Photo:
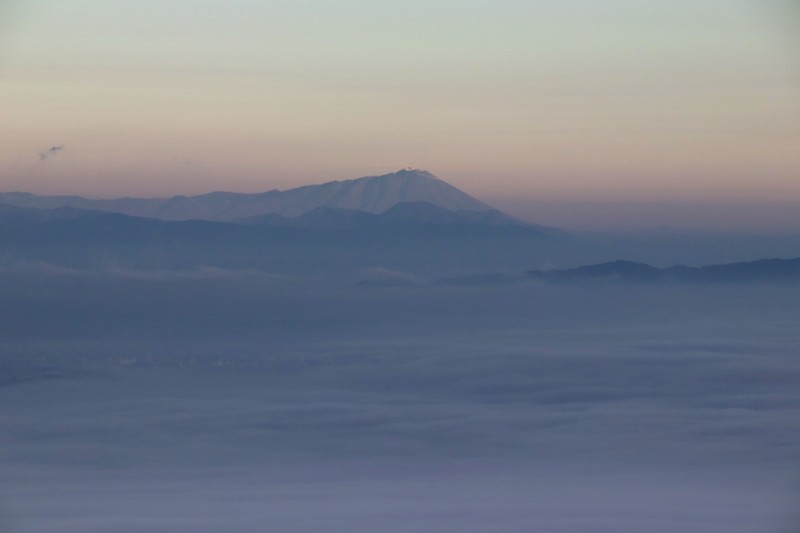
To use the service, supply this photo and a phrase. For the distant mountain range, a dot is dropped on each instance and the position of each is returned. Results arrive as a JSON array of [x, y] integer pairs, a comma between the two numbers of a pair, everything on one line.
[[763, 270], [406, 222], [415, 237], [374, 194], [409, 220]]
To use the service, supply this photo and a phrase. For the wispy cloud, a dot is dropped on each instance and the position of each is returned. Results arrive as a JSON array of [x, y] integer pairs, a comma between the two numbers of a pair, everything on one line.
[[44, 156]]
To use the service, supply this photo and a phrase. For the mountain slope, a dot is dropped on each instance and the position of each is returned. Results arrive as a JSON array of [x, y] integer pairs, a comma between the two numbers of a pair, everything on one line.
[[405, 213], [374, 194], [304, 245]]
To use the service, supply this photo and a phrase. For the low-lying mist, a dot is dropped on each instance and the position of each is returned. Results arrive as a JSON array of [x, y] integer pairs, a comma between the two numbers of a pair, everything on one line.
[[216, 400]]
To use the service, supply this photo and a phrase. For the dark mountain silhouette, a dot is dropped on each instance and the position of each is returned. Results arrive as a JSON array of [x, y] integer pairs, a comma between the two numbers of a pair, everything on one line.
[[414, 237], [761, 270], [10, 214], [620, 270]]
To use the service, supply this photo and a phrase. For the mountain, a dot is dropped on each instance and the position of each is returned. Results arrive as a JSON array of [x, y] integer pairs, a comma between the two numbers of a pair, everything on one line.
[[10, 214], [425, 212], [373, 194], [762, 270], [415, 238], [615, 270], [405, 213]]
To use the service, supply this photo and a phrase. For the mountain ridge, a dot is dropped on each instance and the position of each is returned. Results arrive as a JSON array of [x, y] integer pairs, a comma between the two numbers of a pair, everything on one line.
[[370, 194], [326, 218], [312, 244], [622, 271]]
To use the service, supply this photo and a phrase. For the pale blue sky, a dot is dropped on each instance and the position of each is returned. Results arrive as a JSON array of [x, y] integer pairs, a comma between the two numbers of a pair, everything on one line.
[[619, 100]]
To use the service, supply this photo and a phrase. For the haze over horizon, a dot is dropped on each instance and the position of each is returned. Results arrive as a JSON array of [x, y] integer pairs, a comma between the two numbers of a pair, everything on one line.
[[565, 296], [625, 115]]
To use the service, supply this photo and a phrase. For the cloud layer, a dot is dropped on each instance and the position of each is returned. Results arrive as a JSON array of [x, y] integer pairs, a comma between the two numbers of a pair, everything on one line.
[[234, 402]]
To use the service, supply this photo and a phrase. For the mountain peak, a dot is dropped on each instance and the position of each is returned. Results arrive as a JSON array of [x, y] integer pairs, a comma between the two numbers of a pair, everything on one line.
[[415, 172]]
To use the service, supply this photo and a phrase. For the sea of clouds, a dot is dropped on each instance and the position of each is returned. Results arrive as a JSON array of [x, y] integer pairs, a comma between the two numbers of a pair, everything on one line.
[[219, 401]]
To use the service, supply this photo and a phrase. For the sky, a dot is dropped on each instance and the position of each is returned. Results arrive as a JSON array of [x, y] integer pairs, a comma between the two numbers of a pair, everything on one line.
[[537, 107]]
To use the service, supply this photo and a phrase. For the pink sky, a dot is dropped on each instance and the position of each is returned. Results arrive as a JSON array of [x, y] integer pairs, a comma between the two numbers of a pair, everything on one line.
[[624, 102]]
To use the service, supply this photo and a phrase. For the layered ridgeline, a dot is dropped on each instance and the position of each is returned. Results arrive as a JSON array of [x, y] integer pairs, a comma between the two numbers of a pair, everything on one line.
[[408, 221], [775, 270], [374, 194]]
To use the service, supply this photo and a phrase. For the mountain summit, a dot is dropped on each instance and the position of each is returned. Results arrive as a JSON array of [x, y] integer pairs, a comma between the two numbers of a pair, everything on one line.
[[372, 194], [377, 194]]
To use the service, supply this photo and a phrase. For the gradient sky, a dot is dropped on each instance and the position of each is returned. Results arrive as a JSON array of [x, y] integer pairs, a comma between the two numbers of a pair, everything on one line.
[[525, 104]]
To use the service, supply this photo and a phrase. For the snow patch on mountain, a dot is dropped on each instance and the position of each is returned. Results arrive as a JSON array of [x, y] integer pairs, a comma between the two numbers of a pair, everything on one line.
[[372, 194]]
